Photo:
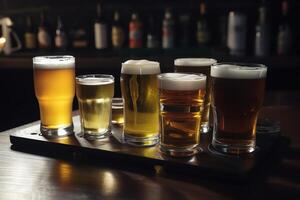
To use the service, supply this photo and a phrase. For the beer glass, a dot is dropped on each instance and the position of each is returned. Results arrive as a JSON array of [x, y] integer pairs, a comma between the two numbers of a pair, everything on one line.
[[181, 99], [140, 95], [54, 83], [237, 97], [94, 93], [199, 65]]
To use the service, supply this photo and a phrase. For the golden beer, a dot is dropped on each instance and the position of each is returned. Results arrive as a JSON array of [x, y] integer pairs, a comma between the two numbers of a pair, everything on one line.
[[199, 65], [94, 94], [237, 97], [181, 103], [117, 111], [140, 94], [54, 83]]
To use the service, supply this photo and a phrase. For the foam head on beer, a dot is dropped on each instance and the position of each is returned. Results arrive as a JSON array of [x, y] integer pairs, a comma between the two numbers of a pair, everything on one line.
[[200, 62], [94, 81], [53, 62], [181, 81], [140, 67], [231, 71]]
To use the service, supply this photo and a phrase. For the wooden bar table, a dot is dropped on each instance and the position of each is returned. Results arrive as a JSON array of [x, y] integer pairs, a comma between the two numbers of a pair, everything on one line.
[[49, 175]]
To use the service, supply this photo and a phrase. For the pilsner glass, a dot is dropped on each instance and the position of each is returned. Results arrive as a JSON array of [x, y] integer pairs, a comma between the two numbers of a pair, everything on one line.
[[237, 97], [94, 93], [140, 95], [54, 83], [181, 99], [199, 65]]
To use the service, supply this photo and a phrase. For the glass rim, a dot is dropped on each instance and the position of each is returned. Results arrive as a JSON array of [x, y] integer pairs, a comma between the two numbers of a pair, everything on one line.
[[242, 64], [194, 62], [235, 70], [58, 58], [79, 77], [203, 76]]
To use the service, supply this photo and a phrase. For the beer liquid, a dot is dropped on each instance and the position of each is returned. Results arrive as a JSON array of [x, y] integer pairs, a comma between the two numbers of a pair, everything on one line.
[[180, 117], [55, 90], [236, 103], [95, 106], [141, 109]]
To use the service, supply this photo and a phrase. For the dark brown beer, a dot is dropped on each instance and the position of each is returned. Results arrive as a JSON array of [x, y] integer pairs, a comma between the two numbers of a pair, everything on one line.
[[236, 100]]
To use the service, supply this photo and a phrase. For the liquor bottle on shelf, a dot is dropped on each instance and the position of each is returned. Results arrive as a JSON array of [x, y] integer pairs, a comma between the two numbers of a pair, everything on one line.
[[44, 36], [168, 31], [262, 32], [30, 37], [184, 30], [117, 32], [100, 29], [79, 37], [135, 32], [61, 40], [284, 37], [202, 32], [236, 33], [152, 37]]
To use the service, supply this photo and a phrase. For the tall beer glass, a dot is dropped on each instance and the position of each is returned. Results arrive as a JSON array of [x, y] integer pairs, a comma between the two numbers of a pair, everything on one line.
[[237, 97], [181, 99], [94, 93], [54, 83], [140, 95], [199, 65]]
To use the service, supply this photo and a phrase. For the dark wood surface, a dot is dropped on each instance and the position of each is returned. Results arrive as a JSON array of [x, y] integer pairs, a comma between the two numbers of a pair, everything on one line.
[[47, 175]]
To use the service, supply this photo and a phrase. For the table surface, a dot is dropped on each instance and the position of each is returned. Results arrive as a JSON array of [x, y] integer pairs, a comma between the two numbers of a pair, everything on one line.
[[24, 175]]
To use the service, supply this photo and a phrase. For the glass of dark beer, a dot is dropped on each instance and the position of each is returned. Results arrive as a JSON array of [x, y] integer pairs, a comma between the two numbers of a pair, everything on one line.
[[237, 97], [181, 99]]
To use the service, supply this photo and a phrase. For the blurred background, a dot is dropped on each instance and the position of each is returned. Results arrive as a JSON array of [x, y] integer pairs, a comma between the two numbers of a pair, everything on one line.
[[103, 34]]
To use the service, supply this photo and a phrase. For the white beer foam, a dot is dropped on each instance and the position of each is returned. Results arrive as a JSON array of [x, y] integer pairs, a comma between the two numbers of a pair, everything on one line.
[[53, 62], [238, 71], [181, 81], [94, 81], [196, 62], [140, 67]]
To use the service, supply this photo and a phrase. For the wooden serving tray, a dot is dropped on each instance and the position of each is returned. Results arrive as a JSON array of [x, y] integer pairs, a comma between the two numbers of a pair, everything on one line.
[[206, 163]]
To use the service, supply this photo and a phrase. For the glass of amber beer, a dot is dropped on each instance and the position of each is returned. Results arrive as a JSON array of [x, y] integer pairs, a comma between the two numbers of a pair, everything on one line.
[[199, 65], [54, 83], [139, 88], [181, 99], [94, 93], [237, 97]]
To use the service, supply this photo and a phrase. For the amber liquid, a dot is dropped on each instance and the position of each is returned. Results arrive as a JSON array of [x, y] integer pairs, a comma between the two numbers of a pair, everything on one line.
[[203, 70], [180, 118], [55, 90]]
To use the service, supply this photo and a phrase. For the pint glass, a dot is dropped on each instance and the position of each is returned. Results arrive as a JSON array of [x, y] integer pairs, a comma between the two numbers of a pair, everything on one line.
[[199, 65], [181, 99], [94, 93], [140, 95], [237, 97], [54, 83]]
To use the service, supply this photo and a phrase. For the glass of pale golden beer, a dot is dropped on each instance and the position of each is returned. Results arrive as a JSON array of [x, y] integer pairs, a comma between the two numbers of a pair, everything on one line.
[[54, 83], [199, 65], [94, 93], [181, 99], [140, 96], [237, 97]]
